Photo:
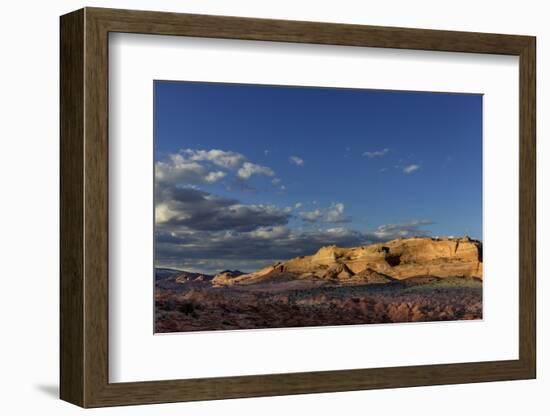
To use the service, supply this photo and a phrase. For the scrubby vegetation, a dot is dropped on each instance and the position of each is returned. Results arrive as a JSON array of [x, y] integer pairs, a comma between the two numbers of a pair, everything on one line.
[[201, 308]]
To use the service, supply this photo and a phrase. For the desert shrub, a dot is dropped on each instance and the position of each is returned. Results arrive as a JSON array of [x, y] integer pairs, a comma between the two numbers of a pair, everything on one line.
[[167, 305], [187, 308], [399, 312]]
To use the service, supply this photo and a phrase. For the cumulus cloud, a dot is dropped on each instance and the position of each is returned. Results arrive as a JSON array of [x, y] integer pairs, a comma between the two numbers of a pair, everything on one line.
[[376, 153], [177, 169], [333, 214], [214, 176], [195, 209], [410, 168], [248, 169], [392, 231], [195, 167], [203, 231], [295, 160], [218, 157], [278, 231], [311, 216]]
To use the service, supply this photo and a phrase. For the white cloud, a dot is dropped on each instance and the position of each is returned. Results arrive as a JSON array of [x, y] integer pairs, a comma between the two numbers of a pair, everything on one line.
[[270, 232], [333, 214], [298, 205], [336, 213], [298, 161], [311, 216], [392, 231], [195, 167], [410, 168], [376, 153], [177, 169], [248, 169], [214, 176], [164, 213], [218, 157]]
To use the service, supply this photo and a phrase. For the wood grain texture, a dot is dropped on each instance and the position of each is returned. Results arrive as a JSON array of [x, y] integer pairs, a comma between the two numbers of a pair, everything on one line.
[[96, 208], [162, 23], [71, 208], [527, 208], [84, 207]]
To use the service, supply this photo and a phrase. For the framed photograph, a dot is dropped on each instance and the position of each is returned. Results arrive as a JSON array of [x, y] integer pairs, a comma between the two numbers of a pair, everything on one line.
[[255, 207]]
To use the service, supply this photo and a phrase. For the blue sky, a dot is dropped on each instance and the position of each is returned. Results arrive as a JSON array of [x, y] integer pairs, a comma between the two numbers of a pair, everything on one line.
[[309, 166]]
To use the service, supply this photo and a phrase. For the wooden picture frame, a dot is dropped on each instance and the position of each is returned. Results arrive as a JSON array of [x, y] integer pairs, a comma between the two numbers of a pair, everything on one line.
[[84, 207]]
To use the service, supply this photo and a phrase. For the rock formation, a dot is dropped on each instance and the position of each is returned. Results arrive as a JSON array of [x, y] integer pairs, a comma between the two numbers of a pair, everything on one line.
[[376, 263], [226, 277]]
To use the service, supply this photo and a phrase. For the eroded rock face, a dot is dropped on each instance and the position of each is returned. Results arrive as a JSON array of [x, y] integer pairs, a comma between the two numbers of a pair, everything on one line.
[[371, 276], [377, 263], [412, 257], [227, 277], [188, 277]]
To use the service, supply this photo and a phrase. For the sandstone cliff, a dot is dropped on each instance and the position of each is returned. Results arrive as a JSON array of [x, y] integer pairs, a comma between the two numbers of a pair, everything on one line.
[[226, 277], [376, 263]]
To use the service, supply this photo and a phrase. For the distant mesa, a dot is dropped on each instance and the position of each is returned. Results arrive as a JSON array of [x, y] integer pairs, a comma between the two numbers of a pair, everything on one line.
[[372, 264], [162, 273], [167, 278], [226, 277], [192, 277]]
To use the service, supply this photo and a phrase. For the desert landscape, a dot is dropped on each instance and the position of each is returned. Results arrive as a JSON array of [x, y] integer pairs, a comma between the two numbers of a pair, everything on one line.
[[416, 279], [302, 206]]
